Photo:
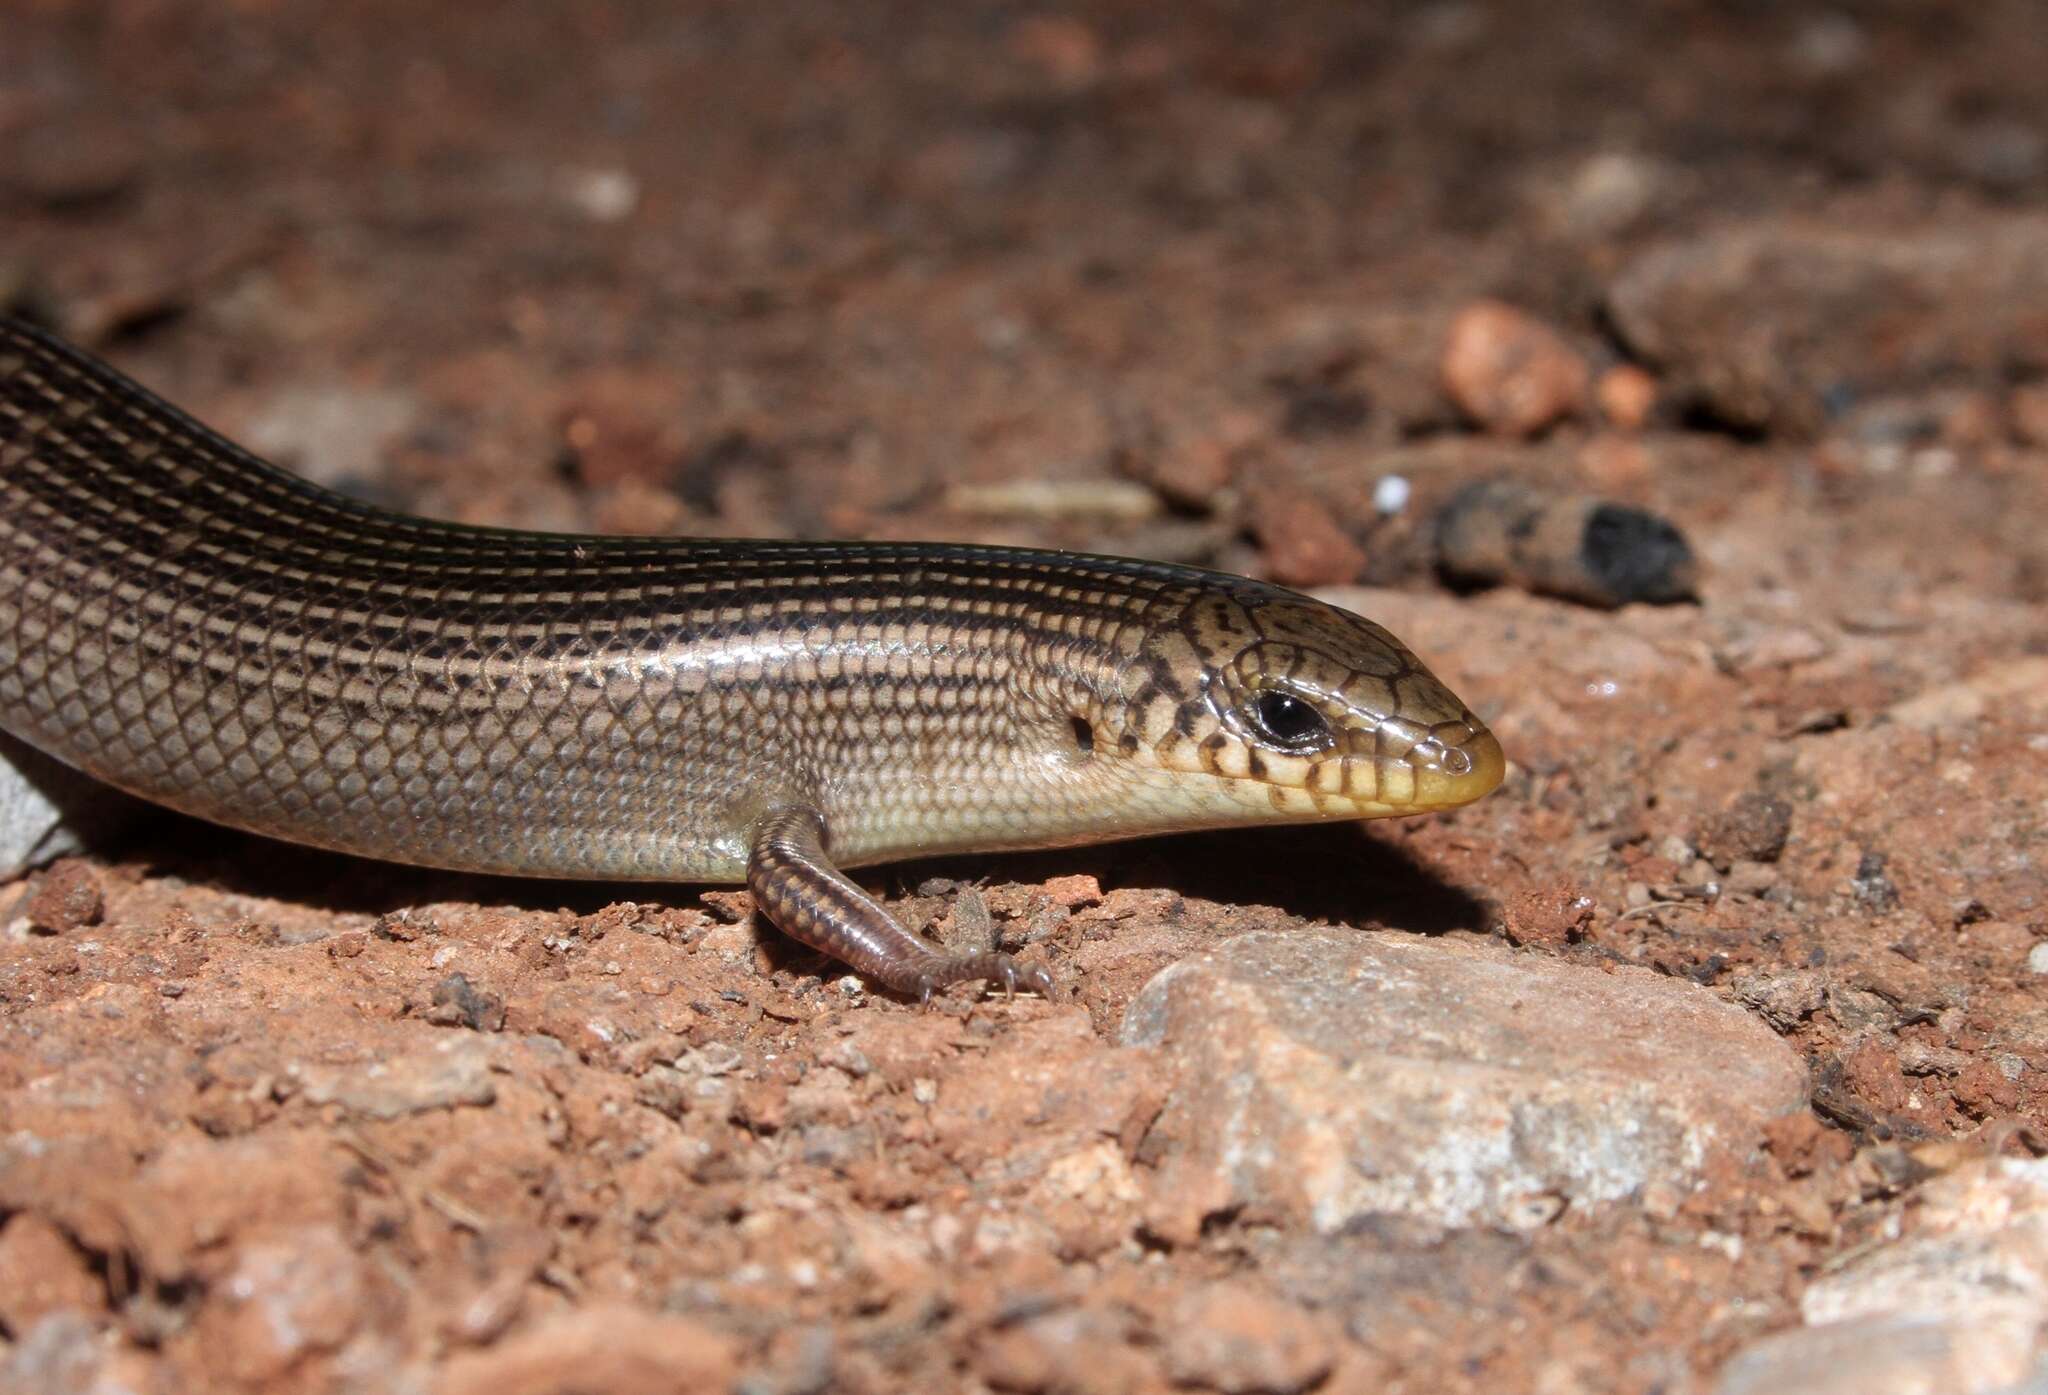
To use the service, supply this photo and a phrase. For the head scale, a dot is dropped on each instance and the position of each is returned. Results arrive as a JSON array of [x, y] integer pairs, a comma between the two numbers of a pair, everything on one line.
[[1260, 704]]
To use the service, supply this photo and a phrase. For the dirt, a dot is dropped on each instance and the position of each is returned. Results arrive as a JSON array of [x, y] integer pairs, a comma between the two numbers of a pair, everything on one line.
[[277, 1121]]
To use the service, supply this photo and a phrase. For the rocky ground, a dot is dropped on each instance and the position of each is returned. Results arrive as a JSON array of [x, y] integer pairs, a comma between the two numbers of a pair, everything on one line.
[[1707, 1056]]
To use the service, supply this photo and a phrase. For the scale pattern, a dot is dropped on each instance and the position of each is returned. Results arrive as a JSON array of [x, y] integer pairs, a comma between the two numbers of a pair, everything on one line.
[[186, 621]]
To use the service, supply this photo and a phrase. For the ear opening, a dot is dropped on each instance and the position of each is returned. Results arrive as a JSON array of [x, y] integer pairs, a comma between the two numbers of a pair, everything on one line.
[[1084, 735]]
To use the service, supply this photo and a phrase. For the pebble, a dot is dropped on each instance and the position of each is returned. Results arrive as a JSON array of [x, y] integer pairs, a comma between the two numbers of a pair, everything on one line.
[[459, 1003], [1605, 194], [68, 897], [1783, 999], [1549, 916], [603, 195], [1511, 373], [1751, 827], [1627, 396], [1322, 1076], [2037, 958], [1391, 494]]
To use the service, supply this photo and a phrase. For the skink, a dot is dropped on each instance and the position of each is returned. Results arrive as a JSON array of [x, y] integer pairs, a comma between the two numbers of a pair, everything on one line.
[[189, 623]]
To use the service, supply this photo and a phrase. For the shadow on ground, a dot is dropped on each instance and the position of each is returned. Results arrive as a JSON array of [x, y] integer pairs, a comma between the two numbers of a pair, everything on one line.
[[1344, 873]]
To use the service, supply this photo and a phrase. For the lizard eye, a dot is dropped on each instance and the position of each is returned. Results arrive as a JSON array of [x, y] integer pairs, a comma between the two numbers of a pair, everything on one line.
[[1288, 722]]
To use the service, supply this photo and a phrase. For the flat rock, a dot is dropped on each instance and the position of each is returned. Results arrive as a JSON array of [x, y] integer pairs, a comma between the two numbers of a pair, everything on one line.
[[1777, 325], [1325, 1075]]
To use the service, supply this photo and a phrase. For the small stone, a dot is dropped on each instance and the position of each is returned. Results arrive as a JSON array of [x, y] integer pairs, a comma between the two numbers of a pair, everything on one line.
[[1749, 646], [349, 944], [67, 169], [1745, 878], [1752, 827], [1075, 891], [1187, 471], [602, 195], [1627, 396], [1782, 999], [2037, 958], [1511, 373], [68, 898], [1097, 1175], [1603, 195], [618, 426], [1549, 916], [459, 1003], [1234, 1338], [1673, 849], [404, 926]]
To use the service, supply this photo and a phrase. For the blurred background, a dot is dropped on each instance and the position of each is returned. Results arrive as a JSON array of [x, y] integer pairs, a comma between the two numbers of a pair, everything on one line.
[[821, 269], [1494, 317]]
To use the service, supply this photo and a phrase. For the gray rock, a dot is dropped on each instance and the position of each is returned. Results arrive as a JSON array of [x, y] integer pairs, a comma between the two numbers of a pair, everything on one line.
[[47, 809], [1326, 1075]]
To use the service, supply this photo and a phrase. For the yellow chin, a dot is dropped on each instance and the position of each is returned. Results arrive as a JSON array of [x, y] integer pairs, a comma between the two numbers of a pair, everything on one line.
[[1296, 789]]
